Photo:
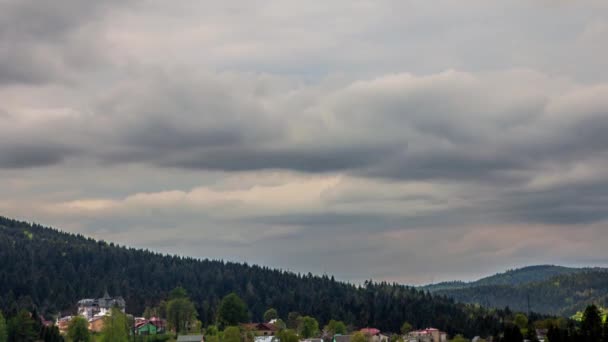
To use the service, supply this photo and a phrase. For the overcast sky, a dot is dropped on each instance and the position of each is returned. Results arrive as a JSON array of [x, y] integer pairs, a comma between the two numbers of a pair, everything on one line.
[[410, 141]]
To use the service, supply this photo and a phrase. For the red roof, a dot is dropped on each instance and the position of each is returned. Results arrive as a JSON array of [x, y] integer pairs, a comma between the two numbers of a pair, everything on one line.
[[370, 331]]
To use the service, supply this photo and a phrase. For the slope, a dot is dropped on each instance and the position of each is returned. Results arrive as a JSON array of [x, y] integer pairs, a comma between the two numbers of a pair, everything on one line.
[[562, 294], [51, 270]]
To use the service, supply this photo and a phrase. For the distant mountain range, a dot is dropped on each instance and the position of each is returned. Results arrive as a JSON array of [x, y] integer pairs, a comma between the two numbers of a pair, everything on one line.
[[549, 289]]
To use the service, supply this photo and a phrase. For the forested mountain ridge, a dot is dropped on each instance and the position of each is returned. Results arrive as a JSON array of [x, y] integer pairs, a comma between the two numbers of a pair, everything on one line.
[[51, 270], [519, 276], [554, 290]]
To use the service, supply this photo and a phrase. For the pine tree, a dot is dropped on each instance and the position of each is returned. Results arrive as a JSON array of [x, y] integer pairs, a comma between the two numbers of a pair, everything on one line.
[[591, 326], [115, 327], [22, 328], [78, 330], [3, 329], [232, 311]]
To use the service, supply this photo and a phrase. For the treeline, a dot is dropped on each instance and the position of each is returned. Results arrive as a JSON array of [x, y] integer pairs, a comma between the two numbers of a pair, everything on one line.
[[591, 329], [27, 326], [49, 271]]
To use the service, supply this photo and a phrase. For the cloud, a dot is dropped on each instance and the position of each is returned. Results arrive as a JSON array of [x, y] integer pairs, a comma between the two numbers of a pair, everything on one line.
[[353, 133]]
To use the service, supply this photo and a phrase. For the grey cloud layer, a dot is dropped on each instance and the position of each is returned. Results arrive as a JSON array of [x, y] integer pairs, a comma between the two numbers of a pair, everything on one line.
[[294, 120]]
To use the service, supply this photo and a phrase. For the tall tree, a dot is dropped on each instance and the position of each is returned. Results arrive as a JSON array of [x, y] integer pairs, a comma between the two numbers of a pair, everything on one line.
[[292, 320], [521, 321], [51, 334], [591, 325], [531, 333], [288, 335], [232, 311], [115, 327], [3, 329], [335, 328], [78, 330], [232, 334], [358, 337], [270, 314], [308, 327], [512, 333], [21, 328], [180, 311], [406, 327], [279, 324]]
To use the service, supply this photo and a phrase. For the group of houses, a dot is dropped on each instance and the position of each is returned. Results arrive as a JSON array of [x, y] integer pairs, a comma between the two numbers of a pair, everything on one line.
[[95, 310], [267, 332], [426, 335]]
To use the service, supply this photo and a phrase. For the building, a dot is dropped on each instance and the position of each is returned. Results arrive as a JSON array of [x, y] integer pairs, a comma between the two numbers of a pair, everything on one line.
[[260, 329], [150, 326], [146, 328], [96, 324], [90, 308], [341, 338], [374, 335], [63, 323], [190, 338], [266, 339], [427, 335]]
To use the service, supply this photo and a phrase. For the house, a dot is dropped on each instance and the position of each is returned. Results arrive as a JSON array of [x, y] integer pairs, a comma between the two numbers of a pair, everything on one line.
[[63, 323], [190, 338], [341, 338], [541, 334], [266, 339], [312, 340], [374, 335], [161, 324], [96, 324], [260, 329], [100, 306], [427, 335], [146, 328]]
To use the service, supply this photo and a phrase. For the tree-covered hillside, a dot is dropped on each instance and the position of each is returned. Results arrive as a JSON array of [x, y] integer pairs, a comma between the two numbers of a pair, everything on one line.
[[51, 270], [558, 295], [514, 277]]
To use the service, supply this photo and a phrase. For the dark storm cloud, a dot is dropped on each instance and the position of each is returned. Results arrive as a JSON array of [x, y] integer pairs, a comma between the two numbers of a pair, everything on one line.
[[192, 94], [44, 42], [29, 155], [564, 204], [313, 159]]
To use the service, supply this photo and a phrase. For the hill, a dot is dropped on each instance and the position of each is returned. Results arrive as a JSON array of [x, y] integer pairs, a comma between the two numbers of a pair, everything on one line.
[[50, 270], [554, 290], [514, 277]]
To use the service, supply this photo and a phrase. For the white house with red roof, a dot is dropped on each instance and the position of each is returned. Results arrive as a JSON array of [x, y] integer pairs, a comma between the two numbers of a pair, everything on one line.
[[374, 335], [427, 335]]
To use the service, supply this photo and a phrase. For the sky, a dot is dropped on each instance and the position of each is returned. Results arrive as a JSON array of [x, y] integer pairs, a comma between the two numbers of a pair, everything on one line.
[[411, 140]]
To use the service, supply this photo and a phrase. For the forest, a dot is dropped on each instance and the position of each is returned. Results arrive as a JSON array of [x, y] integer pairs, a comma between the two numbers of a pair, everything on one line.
[[49, 271], [557, 294]]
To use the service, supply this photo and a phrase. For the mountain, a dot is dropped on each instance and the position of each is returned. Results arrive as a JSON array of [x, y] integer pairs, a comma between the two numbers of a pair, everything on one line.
[[548, 289], [50, 271], [514, 277]]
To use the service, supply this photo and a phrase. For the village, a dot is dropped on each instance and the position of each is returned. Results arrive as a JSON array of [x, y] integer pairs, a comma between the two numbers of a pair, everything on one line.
[[97, 311]]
